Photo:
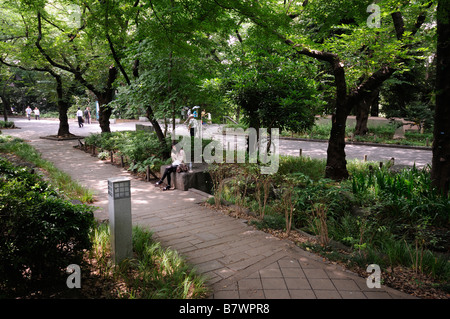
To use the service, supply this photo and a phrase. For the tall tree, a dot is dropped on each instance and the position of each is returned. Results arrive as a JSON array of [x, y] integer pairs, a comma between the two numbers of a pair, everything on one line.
[[440, 172], [356, 74], [271, 89], [19, 54], [65, 38], [79, 64], [172, 54]]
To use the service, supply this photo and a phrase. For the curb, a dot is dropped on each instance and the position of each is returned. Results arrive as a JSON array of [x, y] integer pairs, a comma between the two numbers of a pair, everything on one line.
[[423, 148]]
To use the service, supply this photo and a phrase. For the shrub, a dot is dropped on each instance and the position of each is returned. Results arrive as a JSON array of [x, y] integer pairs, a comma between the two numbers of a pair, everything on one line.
[[7, 124], [406, 195], [313, 168], [41, 233]]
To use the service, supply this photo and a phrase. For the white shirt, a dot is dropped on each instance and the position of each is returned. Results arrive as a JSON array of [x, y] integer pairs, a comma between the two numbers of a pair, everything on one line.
[[36, 112], [79, 113], [192, 123], [177, 158], [28, 110]]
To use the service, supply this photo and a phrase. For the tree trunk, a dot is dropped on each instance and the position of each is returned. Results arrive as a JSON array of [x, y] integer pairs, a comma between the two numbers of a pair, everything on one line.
[[158, 131], [104, 98], [440, 173], [6, 107], [362, 117], [336, 167], [104, 114], [63, 129], [63, 106], [375, 107], [363, 112]]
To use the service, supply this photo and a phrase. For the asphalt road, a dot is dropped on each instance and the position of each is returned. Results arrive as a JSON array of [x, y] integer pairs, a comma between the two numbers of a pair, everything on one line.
[[28, 130]]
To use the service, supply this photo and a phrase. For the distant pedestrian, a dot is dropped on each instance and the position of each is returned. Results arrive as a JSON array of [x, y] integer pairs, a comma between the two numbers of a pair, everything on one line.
[[28, 111], [87, 115], [203, 116], [36, 113], [192, 125], [80, 117]]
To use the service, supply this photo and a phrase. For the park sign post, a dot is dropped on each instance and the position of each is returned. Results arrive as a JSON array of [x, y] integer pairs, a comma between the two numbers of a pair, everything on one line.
[[119, 196]]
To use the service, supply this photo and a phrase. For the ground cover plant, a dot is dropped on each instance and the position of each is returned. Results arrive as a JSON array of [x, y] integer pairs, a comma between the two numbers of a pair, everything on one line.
[[7, 124], [383, 134], [42, 232], [153, 273], [60, 180], [379, 215]]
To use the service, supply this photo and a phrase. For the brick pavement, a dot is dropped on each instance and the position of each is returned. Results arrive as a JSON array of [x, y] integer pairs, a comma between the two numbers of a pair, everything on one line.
[[240, 261]]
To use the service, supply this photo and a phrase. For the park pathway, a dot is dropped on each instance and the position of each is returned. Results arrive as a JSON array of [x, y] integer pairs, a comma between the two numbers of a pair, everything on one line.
[[239, 261]]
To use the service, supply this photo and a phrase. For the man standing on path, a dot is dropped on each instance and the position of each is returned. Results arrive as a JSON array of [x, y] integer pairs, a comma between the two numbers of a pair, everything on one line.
[[28, 111], [87, 115], [36, 113], [192, 125], [80, 117]]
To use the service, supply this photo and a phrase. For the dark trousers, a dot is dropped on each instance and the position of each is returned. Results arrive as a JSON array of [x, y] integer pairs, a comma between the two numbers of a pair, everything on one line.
[[168, 171], [80, 121]]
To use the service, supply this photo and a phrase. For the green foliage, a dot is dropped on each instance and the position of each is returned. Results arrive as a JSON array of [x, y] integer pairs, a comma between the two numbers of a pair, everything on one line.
[[273, 91], [7, 124], [138, 146], [385, 217], [62, 181], [313, 168], [153, 273], [274, 221], [405, 195], [154, 163], [41, 232]]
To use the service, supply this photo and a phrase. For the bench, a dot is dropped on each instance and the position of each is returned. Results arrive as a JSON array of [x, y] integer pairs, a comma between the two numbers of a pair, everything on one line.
[[198, 178]]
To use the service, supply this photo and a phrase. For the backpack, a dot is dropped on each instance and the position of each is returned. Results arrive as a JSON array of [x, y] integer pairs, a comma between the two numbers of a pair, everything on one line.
[[182, 168]]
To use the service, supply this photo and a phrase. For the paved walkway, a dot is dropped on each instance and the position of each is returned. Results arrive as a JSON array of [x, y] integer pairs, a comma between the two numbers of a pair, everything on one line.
[[240, 261]]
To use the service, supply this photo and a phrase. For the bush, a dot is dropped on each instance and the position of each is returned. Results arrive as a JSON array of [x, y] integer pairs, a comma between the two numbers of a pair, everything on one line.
[[41, 233], [136, 145], [313, 168], [7, 124], [406, 195]]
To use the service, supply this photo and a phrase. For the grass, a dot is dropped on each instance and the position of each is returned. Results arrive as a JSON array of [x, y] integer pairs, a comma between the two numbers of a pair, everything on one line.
[[392, 219], [6, 124], [377, 134], [153, 273], [60, 180]]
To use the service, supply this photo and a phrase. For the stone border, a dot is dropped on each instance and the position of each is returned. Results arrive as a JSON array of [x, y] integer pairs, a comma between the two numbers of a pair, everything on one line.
[[58, 138], [360, 143]]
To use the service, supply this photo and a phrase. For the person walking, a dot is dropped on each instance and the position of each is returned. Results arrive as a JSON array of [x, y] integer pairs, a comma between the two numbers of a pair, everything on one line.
[[80, 117], [203, 116], [177, 159], [28, 111], [87, 115], [192, 124], [36, 113]]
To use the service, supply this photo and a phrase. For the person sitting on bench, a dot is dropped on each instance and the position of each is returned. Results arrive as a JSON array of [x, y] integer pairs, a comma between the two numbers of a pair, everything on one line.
[[177, 158]]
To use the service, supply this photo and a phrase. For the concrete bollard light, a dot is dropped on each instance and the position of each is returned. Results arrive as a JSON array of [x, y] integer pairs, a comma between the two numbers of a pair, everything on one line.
[[119, 196]]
